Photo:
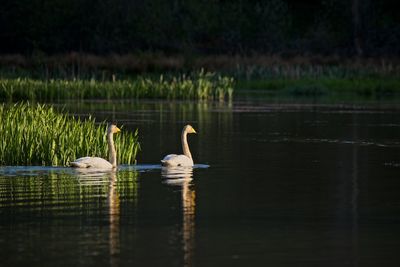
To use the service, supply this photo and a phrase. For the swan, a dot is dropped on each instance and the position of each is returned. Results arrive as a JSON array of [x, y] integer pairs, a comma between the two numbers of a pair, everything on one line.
[[185, 160], [100, 163]]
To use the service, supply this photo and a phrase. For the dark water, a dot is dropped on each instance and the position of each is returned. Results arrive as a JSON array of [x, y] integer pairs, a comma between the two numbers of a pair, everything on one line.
[[287, 185]]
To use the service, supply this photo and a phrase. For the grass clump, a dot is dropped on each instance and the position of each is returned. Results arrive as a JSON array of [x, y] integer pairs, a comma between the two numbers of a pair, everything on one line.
[[373, 88], [200, 86], [38, 135]]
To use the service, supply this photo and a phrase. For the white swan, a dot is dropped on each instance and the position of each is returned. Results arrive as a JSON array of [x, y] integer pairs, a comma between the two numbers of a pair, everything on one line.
[[99, 163], [184, 160]]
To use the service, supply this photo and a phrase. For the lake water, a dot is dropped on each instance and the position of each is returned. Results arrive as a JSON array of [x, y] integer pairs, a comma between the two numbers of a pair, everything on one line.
[[275, 184]]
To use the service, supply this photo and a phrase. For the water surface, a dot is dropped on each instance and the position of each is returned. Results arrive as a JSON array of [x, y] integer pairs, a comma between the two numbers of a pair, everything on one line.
[[276, 184]]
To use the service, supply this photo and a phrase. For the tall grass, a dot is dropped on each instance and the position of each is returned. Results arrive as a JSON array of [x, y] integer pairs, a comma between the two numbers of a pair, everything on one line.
[[373, 88], [84, 66], [38, 135], [279, 74], [202, 85]]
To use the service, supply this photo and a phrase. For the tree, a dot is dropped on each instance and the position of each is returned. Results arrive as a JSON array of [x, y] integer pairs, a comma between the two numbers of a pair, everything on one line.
[[357, 22]]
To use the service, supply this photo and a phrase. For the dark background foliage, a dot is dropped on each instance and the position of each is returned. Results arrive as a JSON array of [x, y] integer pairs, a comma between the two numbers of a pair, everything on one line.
[[285, 27]]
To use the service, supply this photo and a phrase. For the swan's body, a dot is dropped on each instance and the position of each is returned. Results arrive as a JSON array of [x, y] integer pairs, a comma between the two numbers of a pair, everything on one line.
[[100, 163], [185, 160], [92, 162], [174, 160]]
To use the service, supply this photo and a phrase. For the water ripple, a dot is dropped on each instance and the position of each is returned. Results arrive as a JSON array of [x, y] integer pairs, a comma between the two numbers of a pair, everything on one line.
[[333, 141]]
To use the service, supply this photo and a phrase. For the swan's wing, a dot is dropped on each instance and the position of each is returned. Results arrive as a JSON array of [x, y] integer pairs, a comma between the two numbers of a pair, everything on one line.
[[176, 160], [91, 162]]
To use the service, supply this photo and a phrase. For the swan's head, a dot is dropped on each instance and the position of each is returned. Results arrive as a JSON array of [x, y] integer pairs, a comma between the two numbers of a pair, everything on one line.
[[189, 129], [112, 128]]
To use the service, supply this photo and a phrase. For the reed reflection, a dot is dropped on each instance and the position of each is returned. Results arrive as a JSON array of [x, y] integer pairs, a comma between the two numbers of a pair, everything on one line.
[[114, 220], [182, 176], [96, 177], [120, 184]]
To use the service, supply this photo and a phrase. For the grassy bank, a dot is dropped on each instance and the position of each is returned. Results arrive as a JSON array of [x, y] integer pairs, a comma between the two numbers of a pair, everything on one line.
[[38, 135], [92, 76], [368, 87], [86, 66], [201, 86]]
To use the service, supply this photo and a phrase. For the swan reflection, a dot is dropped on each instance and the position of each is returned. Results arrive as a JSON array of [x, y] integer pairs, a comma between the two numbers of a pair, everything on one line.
[[103, 179], [114, 219], [91, 177], [176, 175], [182, 176]]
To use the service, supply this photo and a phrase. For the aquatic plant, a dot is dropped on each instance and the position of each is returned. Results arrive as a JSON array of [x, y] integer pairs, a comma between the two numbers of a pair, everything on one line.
[[368, 87], [202, 86], [38, 135], [85, 66]]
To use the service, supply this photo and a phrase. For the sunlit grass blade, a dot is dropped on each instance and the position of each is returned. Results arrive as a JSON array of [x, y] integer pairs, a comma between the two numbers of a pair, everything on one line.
[[38, 135], [200, 85]]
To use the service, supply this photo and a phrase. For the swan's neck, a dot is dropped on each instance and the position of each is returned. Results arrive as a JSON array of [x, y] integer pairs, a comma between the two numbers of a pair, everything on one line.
[[112, 154], [185, 146]]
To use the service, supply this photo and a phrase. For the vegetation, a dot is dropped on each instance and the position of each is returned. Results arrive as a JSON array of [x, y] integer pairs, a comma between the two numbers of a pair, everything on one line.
[[76, 50], [306, 87], [81, 66], [324, 77], [188, 27], [38, 135], [202, 86], [298, 76]]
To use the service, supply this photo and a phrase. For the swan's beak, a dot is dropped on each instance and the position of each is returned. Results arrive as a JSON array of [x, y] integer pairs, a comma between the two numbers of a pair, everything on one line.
[[117, 130], [194, 131]]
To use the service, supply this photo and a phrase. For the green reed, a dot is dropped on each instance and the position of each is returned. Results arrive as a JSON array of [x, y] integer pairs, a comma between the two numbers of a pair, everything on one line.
[[38, 135], [202, 86], [371, 87]]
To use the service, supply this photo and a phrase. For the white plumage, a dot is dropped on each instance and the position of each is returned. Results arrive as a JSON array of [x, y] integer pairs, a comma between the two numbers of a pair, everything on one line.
[[173, 160], [100, 163], [185, 160], [92, 162]]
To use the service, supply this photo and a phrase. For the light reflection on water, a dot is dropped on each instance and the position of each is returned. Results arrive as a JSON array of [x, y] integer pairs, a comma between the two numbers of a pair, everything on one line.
[[289, 185], [53, 192], [182, 177], [60, 187], [114, 220], [81, 192]]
